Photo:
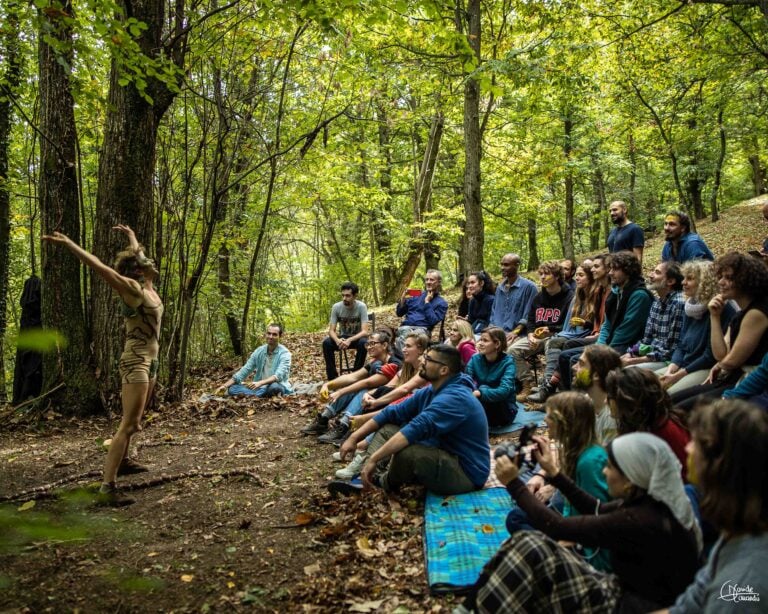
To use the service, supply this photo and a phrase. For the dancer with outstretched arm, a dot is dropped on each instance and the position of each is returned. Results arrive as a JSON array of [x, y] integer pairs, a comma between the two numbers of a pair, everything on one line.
[[132, 278]]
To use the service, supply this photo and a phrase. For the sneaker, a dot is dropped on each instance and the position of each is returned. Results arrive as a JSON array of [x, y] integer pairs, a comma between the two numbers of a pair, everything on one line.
[[353, 469], [336, 435], [318, 427], [353, 487], [542, 395], [110, 496], [130, 467], [336, 456]]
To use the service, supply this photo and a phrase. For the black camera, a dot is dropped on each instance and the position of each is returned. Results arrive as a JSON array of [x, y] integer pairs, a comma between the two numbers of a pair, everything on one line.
[[514, 450]]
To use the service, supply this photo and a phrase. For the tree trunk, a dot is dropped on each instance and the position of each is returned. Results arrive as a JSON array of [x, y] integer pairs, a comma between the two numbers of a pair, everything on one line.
[[474, 231], [423, 192], [380, 229], [533, 248], [718, 167], [633, 174], [62, 304], [598, 217], [759, 184], [9, 48], [568, 250], [125, 193]]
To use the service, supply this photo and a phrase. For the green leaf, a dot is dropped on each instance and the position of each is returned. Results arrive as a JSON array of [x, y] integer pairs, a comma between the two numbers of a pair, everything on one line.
[[43, 340]]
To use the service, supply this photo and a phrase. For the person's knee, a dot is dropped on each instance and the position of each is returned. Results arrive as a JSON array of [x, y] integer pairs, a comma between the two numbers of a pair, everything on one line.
[[274, 390], [128, 428], [329, 344]]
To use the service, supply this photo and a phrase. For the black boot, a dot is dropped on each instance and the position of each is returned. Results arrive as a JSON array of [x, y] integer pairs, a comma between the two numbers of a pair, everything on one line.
[[542, 395], [336, 435], [318, 427]]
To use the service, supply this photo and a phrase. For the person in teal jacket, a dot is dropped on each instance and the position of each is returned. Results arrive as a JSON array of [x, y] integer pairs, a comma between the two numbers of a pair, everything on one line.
[[754, 387], [628, 305], [494, 371], [270, 365]]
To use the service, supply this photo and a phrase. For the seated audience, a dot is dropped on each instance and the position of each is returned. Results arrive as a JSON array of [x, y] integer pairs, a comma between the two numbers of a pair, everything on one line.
[[579, 321], [347, 330], [461, 337], [270, 365], [481, 304], [650, 532], [743, 279], [728, 457], [639, 403], [569, 270], [626, 312], [437, 438], [380, 369], [494, 374], [662, 331], [571, 423], [545, 319], [421, 313], [692, 359], [396, 388]]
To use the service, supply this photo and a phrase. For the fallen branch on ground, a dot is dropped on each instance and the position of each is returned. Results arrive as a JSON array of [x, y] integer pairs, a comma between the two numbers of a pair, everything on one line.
[[28, 495]]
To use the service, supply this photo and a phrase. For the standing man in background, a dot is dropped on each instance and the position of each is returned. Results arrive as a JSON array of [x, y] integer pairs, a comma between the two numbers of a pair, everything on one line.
[[348, 330], [626, 235]]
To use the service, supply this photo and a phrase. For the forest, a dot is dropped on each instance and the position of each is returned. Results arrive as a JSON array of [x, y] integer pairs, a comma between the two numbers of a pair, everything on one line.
[[265, 152]]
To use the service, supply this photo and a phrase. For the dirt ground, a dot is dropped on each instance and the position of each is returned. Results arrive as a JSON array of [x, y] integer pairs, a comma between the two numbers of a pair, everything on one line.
[[273, 540]]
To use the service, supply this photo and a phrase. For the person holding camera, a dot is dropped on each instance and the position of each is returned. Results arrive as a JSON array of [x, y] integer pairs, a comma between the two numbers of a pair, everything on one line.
[[650, 531]]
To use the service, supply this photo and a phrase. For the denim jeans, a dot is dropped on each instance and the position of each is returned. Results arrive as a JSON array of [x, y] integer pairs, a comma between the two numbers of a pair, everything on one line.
[[271, 390]]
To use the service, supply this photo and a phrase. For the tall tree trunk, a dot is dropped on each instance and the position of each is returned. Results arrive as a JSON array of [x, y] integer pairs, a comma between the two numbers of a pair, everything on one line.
[[423, 192], [598, 216], [759, 183], [125, 193], [533, 247], [718, 167], [474, 231], [632, 146], [568, 250], [380, 229], [62, 304], [9, 81]]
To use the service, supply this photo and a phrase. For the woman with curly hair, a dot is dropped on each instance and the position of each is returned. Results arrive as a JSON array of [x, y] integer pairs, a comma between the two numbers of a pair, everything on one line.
[[639, 403], [132, 279], [728, 456], [744, 279], [693, 358]]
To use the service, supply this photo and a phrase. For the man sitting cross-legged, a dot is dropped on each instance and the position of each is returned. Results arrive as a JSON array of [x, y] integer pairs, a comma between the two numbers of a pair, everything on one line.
[[437, 438], [271, 368], [381, 368]]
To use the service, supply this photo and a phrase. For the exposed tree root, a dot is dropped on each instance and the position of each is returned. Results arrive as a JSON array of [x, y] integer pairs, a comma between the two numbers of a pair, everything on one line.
[[49, 491]]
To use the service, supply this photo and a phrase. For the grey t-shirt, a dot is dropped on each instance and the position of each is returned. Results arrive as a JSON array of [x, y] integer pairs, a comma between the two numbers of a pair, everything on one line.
[[349, 320], [605, 426]]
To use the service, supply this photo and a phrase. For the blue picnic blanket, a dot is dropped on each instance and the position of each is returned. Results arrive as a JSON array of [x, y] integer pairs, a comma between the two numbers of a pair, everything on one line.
[[461, 534], [522, 418]]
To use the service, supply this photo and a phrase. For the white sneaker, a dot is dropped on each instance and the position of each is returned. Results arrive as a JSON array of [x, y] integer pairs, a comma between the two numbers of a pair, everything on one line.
[[336, 456], [353, 469]]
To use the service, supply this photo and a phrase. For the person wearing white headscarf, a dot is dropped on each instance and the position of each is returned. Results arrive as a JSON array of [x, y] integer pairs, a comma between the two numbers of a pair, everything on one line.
[[649, 530]]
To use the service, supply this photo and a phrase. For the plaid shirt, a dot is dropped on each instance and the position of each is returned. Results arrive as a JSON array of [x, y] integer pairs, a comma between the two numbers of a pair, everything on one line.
[[662, 331]]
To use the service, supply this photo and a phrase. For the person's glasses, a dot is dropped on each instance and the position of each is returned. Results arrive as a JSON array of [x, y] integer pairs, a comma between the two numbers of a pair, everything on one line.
[[372, 343], [430, 359]]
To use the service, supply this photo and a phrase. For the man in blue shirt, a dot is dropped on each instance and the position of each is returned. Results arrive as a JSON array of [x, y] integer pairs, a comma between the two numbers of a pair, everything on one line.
[[421, 313], [270, 365], [514, 296], [437, 438], [626, 236], [682, 245]]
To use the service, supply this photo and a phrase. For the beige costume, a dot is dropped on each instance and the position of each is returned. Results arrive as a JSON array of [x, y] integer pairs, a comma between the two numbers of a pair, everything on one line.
[[138, 363]]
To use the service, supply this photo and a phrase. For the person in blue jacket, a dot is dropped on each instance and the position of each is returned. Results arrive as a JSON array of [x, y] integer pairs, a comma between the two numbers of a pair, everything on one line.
[[681, 244], [483, 292], [493, 371], [421, 313], [437, 438], [270, 365]]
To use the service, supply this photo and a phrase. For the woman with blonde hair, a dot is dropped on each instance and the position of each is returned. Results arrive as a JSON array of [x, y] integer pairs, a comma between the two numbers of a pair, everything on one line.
[[693, 358], [462, 338]]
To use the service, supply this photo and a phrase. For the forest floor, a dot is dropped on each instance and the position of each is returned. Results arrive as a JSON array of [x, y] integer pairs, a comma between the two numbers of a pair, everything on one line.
[[271, 540]]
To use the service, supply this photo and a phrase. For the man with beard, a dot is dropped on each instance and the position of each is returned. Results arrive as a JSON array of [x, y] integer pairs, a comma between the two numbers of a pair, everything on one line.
[[347, 330], [626, 236], [681, 244], [437, 438], [662, 331]]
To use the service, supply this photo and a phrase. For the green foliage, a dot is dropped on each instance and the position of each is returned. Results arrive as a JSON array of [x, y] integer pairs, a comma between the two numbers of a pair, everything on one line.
[[40, 340]]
